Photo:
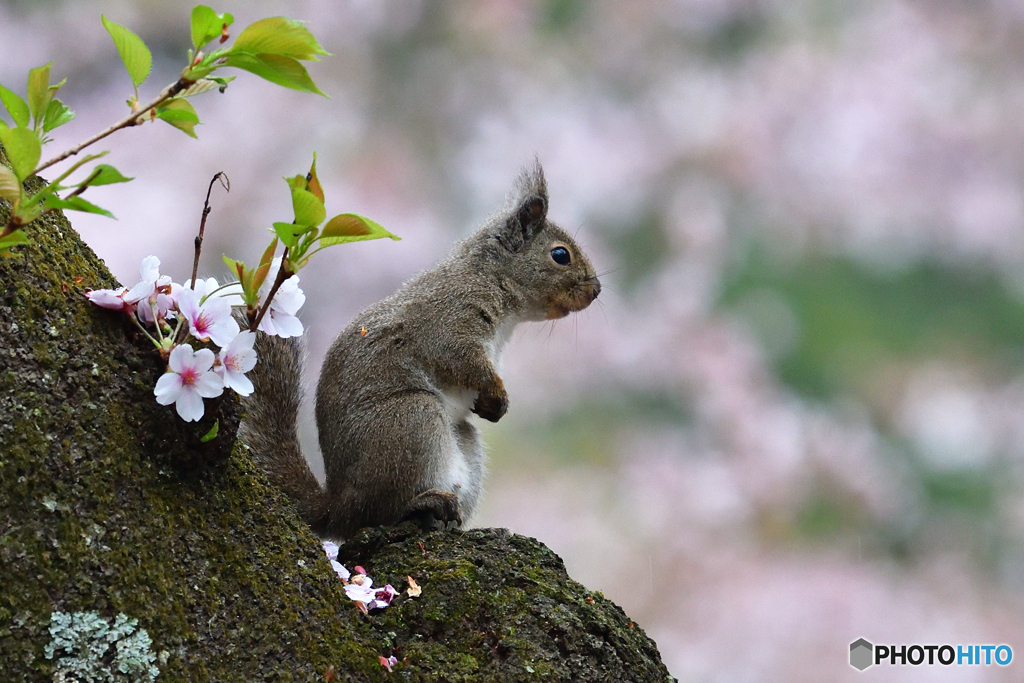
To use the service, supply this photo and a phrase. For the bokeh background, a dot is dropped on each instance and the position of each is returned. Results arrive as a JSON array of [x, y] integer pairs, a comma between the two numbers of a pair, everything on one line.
[[796, 415]]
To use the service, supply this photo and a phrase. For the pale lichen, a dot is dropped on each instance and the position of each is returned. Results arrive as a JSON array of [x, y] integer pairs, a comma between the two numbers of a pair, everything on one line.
[[89, 649]]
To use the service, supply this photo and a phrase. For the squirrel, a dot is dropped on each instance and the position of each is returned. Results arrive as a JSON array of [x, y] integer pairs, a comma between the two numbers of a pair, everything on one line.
[[398, 385]]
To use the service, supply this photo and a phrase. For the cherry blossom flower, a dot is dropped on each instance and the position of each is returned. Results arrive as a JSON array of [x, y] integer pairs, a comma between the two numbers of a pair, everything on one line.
[[203, 287], [361, 590], [153, 290], [332, 554], [383, 597], [281, 319], [188, 380], [210, 320], [150, 282], [110, 298], [236, 359]]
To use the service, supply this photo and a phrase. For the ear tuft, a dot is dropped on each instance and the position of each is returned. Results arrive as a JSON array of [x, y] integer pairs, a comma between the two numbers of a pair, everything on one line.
[[529, 208], [531, 182]]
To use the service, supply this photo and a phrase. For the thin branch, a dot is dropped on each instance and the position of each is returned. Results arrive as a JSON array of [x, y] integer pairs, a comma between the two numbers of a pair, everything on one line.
[[225, 182], [134, 119], [84, 185], [282, 275]]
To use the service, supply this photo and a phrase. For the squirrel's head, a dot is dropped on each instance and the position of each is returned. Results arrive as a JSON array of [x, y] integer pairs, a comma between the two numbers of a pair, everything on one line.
[[541, 259]]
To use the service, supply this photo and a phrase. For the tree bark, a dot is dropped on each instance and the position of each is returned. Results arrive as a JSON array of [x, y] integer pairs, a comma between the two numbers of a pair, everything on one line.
[[110, 504]]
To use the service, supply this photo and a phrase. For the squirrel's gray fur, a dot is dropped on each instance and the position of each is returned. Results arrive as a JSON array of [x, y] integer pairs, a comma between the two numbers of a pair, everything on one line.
[[398, 384]]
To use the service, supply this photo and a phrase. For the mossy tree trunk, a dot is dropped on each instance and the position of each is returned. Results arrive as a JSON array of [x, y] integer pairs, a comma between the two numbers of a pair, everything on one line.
[[109, 504]]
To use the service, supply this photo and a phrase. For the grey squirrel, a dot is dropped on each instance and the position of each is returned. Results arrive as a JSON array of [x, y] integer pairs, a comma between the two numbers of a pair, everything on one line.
[[398, 384]]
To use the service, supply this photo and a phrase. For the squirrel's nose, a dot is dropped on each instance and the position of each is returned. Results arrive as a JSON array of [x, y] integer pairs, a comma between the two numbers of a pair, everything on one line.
[[595, 288]]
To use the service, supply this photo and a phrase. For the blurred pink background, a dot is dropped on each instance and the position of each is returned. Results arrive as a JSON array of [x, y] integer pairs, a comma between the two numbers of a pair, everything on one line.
[[795, 416]]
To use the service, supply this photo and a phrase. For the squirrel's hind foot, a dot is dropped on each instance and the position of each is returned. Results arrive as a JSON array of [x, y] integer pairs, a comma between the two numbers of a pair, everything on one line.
[[435, 509]]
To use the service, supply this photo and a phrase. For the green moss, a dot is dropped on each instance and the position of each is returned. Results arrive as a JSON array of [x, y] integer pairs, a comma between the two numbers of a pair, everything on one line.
[[494, 605], [110, 505]]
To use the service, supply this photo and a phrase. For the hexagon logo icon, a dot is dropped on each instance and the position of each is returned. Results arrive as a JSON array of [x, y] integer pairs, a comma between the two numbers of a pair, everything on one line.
[[861, 654]]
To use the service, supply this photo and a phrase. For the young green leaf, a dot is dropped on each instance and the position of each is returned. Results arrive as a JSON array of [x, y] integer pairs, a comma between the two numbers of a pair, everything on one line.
[[12, 239], [199, 87], [39, 94], [236, 267], [309, 210], [15, 106], [74, 204], [10, 186], [212, 434], [289, 233], [23, 149], [136, 56], [274, 68], [351, 227], [207, 25], [57, 114], [222, 81], [105, 174], [313, 183], [279, 36], [74, 167], [180, 113], [268, 254]]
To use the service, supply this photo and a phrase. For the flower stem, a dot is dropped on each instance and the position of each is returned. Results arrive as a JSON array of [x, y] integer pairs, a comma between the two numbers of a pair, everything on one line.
[[135, 320]]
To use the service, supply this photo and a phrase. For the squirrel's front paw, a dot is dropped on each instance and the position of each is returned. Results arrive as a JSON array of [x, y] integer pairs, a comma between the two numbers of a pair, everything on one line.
[[490, 406]]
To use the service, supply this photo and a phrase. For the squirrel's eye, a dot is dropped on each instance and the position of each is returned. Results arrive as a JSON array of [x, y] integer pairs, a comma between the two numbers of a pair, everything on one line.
[[560, 255]]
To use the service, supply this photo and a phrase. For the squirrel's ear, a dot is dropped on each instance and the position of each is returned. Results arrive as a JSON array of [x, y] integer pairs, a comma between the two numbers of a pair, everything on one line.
[[529, 209]]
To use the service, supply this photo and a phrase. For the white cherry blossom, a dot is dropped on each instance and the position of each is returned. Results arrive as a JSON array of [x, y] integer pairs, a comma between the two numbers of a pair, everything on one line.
[[210, 320], [281, 319], [236, 359], [189, 379]]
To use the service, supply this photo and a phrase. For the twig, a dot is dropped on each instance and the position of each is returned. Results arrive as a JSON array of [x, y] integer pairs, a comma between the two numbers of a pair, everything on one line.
[[282, 275], [133, 119], [225, 182]]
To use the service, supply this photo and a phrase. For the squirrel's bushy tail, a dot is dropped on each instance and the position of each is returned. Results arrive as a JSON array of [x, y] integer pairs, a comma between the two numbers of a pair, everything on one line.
[[269, 427]]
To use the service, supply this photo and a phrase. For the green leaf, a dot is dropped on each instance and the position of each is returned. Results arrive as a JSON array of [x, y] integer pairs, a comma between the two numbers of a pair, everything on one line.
[[260, 275], [313, 183], [180, 113], [10, 187], [13, 239], [207, 25], [74, 204], [15, 106], [309, 210], [134, 53], [268, 254], [351, 227], [57, 114], [237, 267], [274, 68], [74, 167], [222, 81], [279, 36], [201, 86], [212, 434], [107, 175], [23, 149], [39, 94], [264, 267], [289, 232]]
